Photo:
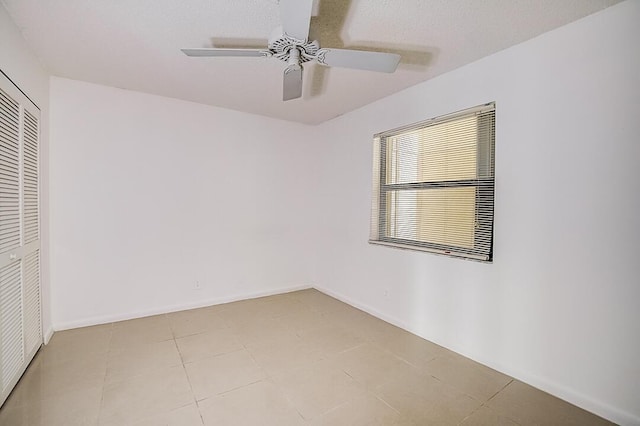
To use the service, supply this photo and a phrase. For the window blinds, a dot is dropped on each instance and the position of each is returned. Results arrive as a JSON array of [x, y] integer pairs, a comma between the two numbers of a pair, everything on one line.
[[433, 185]]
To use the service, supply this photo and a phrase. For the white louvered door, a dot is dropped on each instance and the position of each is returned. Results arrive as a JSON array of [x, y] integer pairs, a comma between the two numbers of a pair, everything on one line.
[[20, 322]]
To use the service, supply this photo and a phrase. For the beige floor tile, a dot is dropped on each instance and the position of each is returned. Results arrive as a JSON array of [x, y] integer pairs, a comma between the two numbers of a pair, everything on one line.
[[204, 345], [238, 312], [260, 403], [261, 309], [40, 380], [468, 376], [449, 412], [331, 339], [364, 325], [73, 345], [318, 301], [318, 388], [366, 410], [279, 305], [222, 373], [426, 400], [194, 321], [139, 331], [188, 415], [75, 408], [304, 319], [284, 354], [140, 359], [142, 396], [485, 416], [28, 387], [530, 406], [261, 331], [372, 366], [404, 422], [411, 348], [346, 315]]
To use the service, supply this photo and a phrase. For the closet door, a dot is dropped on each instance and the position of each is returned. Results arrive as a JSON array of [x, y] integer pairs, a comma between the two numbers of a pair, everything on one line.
[[20, 322]]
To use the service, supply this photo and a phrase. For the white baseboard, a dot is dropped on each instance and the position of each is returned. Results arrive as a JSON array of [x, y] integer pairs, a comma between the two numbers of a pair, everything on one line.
[[105, 319], [368, 309], [48, 333], [606, 411]]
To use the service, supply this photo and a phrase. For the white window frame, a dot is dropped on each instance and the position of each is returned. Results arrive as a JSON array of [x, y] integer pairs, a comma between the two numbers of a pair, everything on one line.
[[381, 224]]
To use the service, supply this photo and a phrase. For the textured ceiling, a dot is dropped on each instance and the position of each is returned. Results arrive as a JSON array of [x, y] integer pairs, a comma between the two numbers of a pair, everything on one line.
[[135, 45]]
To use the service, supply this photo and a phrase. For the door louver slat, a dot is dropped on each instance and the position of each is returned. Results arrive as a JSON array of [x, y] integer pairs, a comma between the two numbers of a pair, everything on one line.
[[11, 336], [30, 179], [32, 320], [9, 182]]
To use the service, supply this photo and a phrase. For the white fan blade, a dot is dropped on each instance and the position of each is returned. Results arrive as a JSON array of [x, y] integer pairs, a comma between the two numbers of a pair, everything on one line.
[[225, 52], [359, 59], [292, 83], [296, 17]]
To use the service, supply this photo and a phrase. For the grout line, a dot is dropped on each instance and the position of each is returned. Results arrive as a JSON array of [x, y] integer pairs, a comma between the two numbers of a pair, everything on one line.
[[179, 352], [500, 390], [184, 369], [470, 414], [379, 398], [106, 371], [234, 389]]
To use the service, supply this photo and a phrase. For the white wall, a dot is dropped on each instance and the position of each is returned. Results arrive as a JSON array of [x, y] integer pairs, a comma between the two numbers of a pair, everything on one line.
[[560, 306], [24, 69], [151, 195]]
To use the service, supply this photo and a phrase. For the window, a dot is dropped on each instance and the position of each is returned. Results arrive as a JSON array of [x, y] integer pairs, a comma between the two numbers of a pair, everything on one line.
[[433, 185]]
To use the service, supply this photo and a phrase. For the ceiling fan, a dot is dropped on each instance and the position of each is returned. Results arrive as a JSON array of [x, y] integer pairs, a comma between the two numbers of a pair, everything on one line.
[[290, 43]]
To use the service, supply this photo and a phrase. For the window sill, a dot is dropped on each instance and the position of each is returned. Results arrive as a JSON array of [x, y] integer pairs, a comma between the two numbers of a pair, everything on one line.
[[483, 259]]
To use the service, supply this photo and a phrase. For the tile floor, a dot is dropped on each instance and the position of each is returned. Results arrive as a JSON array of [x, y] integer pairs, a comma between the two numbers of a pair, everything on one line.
[[300, 358]]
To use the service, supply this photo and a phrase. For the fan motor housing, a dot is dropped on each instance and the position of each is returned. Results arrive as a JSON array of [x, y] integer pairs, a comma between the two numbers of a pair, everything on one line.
[[280, 45]]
